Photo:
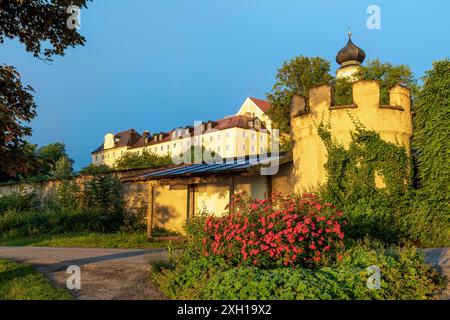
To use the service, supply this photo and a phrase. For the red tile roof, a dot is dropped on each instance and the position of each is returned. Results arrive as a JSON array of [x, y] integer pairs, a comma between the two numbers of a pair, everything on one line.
[[262, 104]]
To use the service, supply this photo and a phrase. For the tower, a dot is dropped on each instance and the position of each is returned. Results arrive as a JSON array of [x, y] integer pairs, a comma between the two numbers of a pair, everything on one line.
[[350, 59], [393, 122]]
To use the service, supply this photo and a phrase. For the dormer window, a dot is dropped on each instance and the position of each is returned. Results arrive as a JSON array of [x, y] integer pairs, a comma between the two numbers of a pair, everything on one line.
[[209, 126], [203, 128], [155, 138], [160, 137], [257, 124], [174, 133]]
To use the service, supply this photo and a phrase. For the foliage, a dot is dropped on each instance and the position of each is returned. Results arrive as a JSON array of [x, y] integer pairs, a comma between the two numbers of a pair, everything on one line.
[[63, 168], [53, 221], [19, 202], [104, 192], [93, 169], [84, 239], [40, 25], [17, 107], [45, 34], [22, 282], [403, 276], [144, 160], [97, 208], [300, 74], [188, 277], [66, 196], [389, 211], [49, 156], [432, 140], [288, 231], [343, 92], [296, 76], [389, 76]]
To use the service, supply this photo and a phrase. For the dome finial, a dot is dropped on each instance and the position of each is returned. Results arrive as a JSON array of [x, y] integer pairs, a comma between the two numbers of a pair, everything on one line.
[[350, 54]]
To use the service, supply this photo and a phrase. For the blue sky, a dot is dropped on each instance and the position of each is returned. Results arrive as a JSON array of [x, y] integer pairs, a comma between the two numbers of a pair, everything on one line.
[[159, 64]]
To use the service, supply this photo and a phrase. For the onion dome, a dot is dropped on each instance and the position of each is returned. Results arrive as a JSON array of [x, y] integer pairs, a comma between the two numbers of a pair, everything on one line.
[[350, 54]]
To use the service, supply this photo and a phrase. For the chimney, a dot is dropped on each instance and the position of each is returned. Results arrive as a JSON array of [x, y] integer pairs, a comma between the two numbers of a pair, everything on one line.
[[146, 135]]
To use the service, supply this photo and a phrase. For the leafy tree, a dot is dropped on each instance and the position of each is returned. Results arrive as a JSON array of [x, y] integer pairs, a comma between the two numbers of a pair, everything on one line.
[[41, 26], [389, 76], [300, 74], [17, 107], [63, 168], [40, 23], [146, 159], [296, 76], [92, 169], [49, 156]]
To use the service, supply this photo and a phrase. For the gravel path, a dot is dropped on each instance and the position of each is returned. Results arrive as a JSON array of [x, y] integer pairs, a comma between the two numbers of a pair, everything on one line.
[[106, 274]]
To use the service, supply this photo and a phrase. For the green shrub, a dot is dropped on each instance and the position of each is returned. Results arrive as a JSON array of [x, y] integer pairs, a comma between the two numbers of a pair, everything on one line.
[[103, 192], [56, 221], [403, 276], [187, 279], [19, 202], [286, 231]]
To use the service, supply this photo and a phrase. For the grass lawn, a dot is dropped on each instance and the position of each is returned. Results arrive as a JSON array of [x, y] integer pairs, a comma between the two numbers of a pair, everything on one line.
[[92, 240], [23, 282]]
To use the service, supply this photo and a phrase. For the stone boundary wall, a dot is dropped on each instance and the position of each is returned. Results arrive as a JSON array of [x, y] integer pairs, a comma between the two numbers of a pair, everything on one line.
[[136, 194]]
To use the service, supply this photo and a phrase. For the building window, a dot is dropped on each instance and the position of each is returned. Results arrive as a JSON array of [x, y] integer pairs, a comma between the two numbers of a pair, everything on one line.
[[253, 136], [174, 145], [162, 148], [227, 134], [228, 147], [261, 138], [253, 148], [243, 147], [243, 134], [168, 147], [211, 138], [218, 149], [218, 137]]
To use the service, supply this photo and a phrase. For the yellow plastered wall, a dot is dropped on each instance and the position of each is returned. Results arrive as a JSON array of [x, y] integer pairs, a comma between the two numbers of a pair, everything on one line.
[[393, 123], [170, 207], [283, 181], [255, 185], [212, 197]]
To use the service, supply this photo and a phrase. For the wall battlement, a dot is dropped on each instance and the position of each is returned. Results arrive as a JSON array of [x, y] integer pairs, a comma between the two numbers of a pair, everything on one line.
[[393, 122]]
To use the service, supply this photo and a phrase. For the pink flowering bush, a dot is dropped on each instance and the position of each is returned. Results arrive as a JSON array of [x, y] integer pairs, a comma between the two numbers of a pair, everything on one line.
[[286, 231]]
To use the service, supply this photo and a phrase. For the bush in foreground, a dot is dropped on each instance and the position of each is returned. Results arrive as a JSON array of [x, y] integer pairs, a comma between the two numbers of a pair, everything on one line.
[[295, 231], [219, 258], [403, 276]]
